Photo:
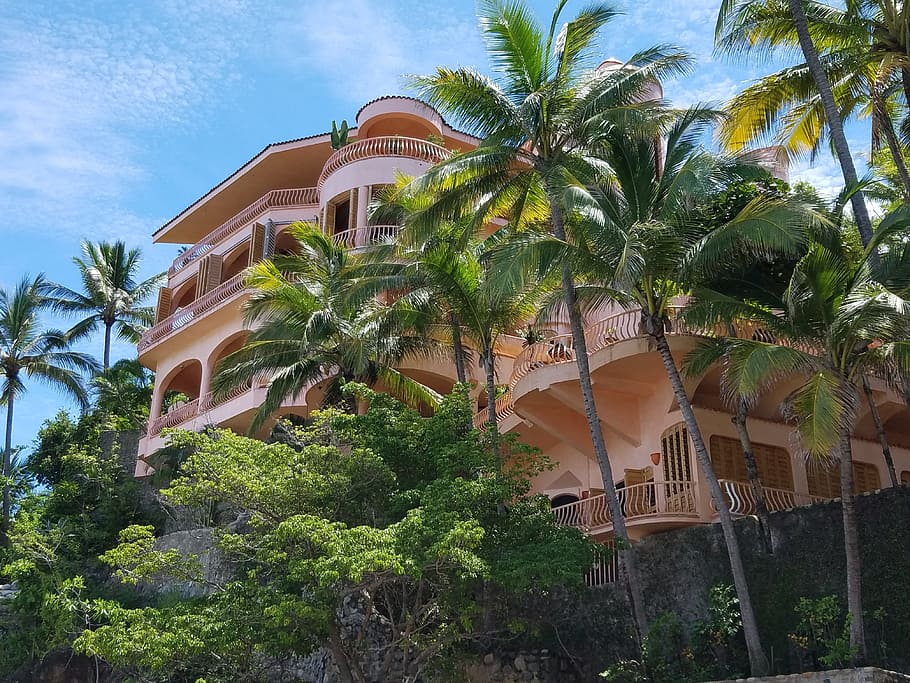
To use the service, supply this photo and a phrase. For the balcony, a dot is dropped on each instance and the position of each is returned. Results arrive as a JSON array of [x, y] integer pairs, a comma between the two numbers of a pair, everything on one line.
[[174, 417], [304, 196], [742, 501], [182, 317], [383, 146], [651, 500], [358, 238]]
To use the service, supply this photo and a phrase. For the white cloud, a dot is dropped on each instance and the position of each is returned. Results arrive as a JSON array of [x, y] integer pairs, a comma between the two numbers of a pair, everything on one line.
[[362, 48], [76, 94]]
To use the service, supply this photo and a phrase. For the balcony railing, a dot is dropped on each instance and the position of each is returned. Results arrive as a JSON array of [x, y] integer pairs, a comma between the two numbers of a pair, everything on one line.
[[504, 408], [180, 318], [383, 146], [742, 501], [174, 417], [353, 238], [303, 196], [606, 567], [650, 499]]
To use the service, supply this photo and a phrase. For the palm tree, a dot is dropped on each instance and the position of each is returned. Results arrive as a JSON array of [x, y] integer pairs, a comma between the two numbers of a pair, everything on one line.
[[124, 391], [649, 245], [316, 322], [834, 324], [540, 120], [484, 305], [110, 294], [400, 261], [736, 14], [28, 351]]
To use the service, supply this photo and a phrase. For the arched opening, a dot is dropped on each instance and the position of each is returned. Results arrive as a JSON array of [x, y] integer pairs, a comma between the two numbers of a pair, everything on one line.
[[182, 386], [563, 499], [226, 348], [285, 244], [235, 262], [185, 295]]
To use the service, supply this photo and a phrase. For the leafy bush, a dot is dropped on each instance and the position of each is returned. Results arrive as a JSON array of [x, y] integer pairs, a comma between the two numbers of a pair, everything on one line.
[[823, 632]]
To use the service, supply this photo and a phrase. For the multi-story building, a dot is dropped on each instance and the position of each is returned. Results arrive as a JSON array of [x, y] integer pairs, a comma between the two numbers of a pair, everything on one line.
[[243, 219]]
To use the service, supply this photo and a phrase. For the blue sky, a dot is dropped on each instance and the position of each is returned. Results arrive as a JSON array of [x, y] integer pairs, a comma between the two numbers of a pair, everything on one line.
[[115, 116]]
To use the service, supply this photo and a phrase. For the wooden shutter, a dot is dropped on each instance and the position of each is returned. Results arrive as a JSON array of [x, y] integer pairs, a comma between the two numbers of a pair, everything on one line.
[[825, 481], [727, 458], [865, 477], [773, 462], [210, 277], [632, 477], [257, 243], [352, 214], [163, 309], [270, 239], [329, 222], [202, 277], [674, 446]]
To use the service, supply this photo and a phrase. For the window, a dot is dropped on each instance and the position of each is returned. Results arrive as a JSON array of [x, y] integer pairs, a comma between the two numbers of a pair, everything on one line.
[[824, 482], [773, 463], [674, 450]]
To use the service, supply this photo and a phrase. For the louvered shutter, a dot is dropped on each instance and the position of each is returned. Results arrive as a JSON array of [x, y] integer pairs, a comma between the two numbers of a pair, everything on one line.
[[352, 214], [773, 462], [212, 275], [202, 277], [825, 482], [329, 222], [163, 309], [865, 477], [257, 243]]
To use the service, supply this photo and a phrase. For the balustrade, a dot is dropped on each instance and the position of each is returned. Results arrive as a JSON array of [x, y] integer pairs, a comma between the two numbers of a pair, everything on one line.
[[741, 499], [382, 146], [180, 318], [303, 196], [361, 237], [648, 499], [174, 417]]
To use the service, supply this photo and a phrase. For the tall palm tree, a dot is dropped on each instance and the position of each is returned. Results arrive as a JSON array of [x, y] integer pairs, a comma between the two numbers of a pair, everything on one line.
[[402, 258], [110, 297], [124, 391], [29, 351], [731, 19], [649, 245], [864, 74], [834, 324], [540, 119], [485, 306], [314, 322]]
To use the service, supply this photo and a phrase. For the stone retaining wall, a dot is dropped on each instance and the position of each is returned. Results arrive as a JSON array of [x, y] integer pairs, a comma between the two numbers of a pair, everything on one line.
[[867, 674]]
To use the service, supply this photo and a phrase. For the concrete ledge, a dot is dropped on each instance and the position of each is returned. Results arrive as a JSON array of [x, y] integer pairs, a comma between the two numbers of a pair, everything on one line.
[[868, 674]]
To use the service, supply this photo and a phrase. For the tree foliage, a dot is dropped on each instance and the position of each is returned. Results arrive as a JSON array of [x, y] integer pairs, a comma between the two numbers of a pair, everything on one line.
[[383, 523]]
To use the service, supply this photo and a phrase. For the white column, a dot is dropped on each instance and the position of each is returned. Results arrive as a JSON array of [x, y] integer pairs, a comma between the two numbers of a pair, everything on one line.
[[360, 220]]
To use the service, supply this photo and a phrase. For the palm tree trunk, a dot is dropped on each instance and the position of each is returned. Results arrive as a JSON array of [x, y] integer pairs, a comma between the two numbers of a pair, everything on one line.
[[627, 564], [851, 551], [460, 371], [835, 125], [880, 430], [492, 427], [758, 662], [758, 493], [7, 461], [107, 344], [894, 147], [905, 81]]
